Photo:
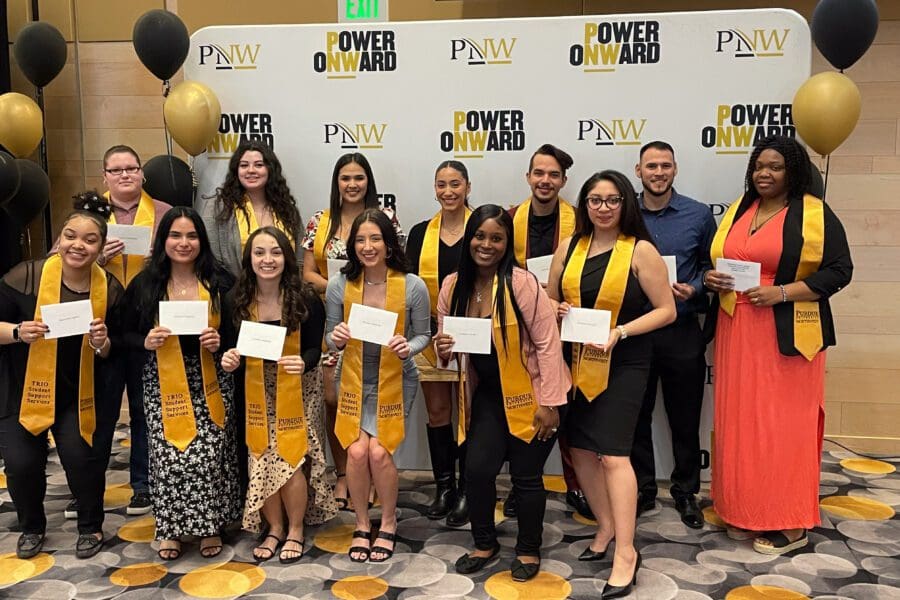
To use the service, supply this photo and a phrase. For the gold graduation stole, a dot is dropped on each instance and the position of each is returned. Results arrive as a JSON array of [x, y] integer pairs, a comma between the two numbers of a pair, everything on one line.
[[179, 424], [248, 223], [590, 367], [519, 401], [728, 299], [290, 421], [807, 320], [126, 266], [321, 242], [38, 409], [390, 372], [428, 269], [564, 229]]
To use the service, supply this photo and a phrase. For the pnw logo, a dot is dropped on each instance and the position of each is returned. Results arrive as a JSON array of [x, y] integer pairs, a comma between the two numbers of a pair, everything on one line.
[[739, 126], [612, 132], [490, 51], [350, 52], [609, 44], [759, 43], [356, 136], [235, 128], [478, 131], [237, 57]]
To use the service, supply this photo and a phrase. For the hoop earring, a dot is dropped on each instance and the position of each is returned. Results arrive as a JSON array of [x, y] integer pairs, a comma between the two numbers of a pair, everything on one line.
[[390, 253]]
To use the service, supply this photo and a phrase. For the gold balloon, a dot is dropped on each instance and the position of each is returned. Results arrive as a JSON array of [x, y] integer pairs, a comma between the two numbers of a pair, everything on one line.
[[826, 109], [192, 114], [21, 124]]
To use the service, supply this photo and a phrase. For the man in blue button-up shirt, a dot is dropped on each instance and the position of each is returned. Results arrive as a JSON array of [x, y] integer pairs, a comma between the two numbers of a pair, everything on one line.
[[683, 228]]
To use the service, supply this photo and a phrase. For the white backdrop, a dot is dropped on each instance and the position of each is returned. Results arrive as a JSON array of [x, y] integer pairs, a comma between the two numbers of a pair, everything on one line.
[[489, 92]]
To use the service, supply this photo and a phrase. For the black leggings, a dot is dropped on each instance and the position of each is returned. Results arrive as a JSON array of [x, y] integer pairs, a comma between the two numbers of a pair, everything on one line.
[[25, 456]]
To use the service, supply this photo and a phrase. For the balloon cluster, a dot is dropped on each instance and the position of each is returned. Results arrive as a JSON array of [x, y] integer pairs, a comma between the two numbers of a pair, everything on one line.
[[827, 106]]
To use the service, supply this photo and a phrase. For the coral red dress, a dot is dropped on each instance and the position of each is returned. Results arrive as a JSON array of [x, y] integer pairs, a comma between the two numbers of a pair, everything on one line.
[[769, 408]]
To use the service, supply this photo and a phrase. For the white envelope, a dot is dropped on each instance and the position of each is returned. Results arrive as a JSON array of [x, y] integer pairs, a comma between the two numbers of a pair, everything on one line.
[[136, 237], [586, 326], [745, 273], [261, 340], [334, 266], [371, 324], [469, 334], [672, 268], [184, 317], [67, 318], [540, 266]]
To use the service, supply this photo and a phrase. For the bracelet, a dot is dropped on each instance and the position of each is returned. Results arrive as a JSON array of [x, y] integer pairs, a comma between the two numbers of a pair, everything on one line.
[[623, 334], [95, 348], [784, 297]]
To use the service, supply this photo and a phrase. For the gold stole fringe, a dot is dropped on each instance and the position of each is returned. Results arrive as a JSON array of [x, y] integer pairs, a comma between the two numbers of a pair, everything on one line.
[[125, 266], [564, 229], [390, 376], [247, 223], [179, 423], [38, 408], [290, 421], [428, 269], [590, 367], [321, 241]]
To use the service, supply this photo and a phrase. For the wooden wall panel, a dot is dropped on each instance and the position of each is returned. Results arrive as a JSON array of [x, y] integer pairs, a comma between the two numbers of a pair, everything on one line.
[[103, 21], [872, 227]]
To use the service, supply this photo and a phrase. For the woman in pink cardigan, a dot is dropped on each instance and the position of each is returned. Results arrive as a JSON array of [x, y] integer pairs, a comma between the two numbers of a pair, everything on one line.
[[514, 394]]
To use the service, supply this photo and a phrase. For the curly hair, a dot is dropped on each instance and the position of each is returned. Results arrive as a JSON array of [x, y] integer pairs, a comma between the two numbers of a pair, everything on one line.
[[91, 205], [797, 168], [278, 194], [296, 295]]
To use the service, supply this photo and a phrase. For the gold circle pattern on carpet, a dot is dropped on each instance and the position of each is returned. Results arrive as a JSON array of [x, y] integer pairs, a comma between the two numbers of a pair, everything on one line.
[[712, 517], [868, 466], [545, 586], [137, 575], [583, 520], [14, 570], [117, 496], [222, 581], [857, 508], [359, 587], [555, 483], [335, 539], [2, 480], [126, 443], [764, 592], [139, 530]]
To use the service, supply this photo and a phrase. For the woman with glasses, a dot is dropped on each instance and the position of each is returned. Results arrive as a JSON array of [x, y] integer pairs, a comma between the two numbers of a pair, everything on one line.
[[611, 264]]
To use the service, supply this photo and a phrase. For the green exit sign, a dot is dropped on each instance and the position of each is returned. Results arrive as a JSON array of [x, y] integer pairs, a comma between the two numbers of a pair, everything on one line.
[[358, 11]]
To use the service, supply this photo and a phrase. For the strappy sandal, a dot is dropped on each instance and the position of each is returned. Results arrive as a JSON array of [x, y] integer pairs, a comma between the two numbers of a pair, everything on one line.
[[343, 503], [271, 551], [778, 543], [365, 551], [384, 553], [210, 550], [291, 559], [170, 553]]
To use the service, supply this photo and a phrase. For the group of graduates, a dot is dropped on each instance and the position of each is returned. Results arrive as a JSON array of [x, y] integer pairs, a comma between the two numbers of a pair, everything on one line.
[[218, 437]]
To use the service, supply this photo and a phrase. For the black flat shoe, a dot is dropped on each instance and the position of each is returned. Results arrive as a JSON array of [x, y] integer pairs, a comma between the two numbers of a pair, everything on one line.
[[618, 591], [590, 555], [466, 564], [88, 545], [524, 571], [365, 551], [691, 515], [29, 545]]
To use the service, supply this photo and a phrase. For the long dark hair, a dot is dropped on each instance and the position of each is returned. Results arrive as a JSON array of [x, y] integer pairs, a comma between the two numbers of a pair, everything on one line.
[[295, 293], [797, 168], [334, 205], [396, 257], [631, 222], [278, 194], [158, 266], [456, 166], [468, 270]]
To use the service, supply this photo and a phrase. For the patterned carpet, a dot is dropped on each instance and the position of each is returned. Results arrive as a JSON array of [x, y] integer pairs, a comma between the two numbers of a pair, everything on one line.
[[854, 555]]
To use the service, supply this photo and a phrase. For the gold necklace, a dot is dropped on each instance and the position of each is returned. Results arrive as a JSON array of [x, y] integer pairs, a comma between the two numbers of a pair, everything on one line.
[[478, 297], [755, 224], [181, 289]]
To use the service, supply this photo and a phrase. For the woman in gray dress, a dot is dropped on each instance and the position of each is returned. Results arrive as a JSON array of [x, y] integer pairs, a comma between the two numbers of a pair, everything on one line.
[[376, 383]]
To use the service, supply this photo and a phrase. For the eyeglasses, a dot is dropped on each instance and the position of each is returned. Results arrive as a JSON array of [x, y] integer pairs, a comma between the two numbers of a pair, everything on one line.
[[116, 172], [612, 203]]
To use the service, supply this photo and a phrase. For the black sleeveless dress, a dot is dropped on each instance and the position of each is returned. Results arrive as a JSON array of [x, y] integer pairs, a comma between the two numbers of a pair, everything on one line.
[[606, 425]]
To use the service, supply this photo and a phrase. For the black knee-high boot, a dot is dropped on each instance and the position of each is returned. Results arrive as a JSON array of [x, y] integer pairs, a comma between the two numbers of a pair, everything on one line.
[[459, 516], [442, 449]]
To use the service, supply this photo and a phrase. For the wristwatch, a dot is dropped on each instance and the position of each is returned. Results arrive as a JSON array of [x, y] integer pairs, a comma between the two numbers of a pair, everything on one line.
[[15, 333]]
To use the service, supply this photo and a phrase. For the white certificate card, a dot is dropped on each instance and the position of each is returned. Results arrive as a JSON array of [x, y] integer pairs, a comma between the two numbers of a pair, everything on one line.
[[261, 340], [184, 317], [334, 266], [672, 268], [371, 324], [746, 274], [136, 237], [586, 326], [540, 266], [469, 334], [67, 318]]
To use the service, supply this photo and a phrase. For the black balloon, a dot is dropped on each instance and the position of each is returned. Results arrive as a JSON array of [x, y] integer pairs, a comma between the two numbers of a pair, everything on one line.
[[816, 184], [40, 51], [10, 242], [844, 29], [161, 42], [9, 177], [168, 178], [33, 194]]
